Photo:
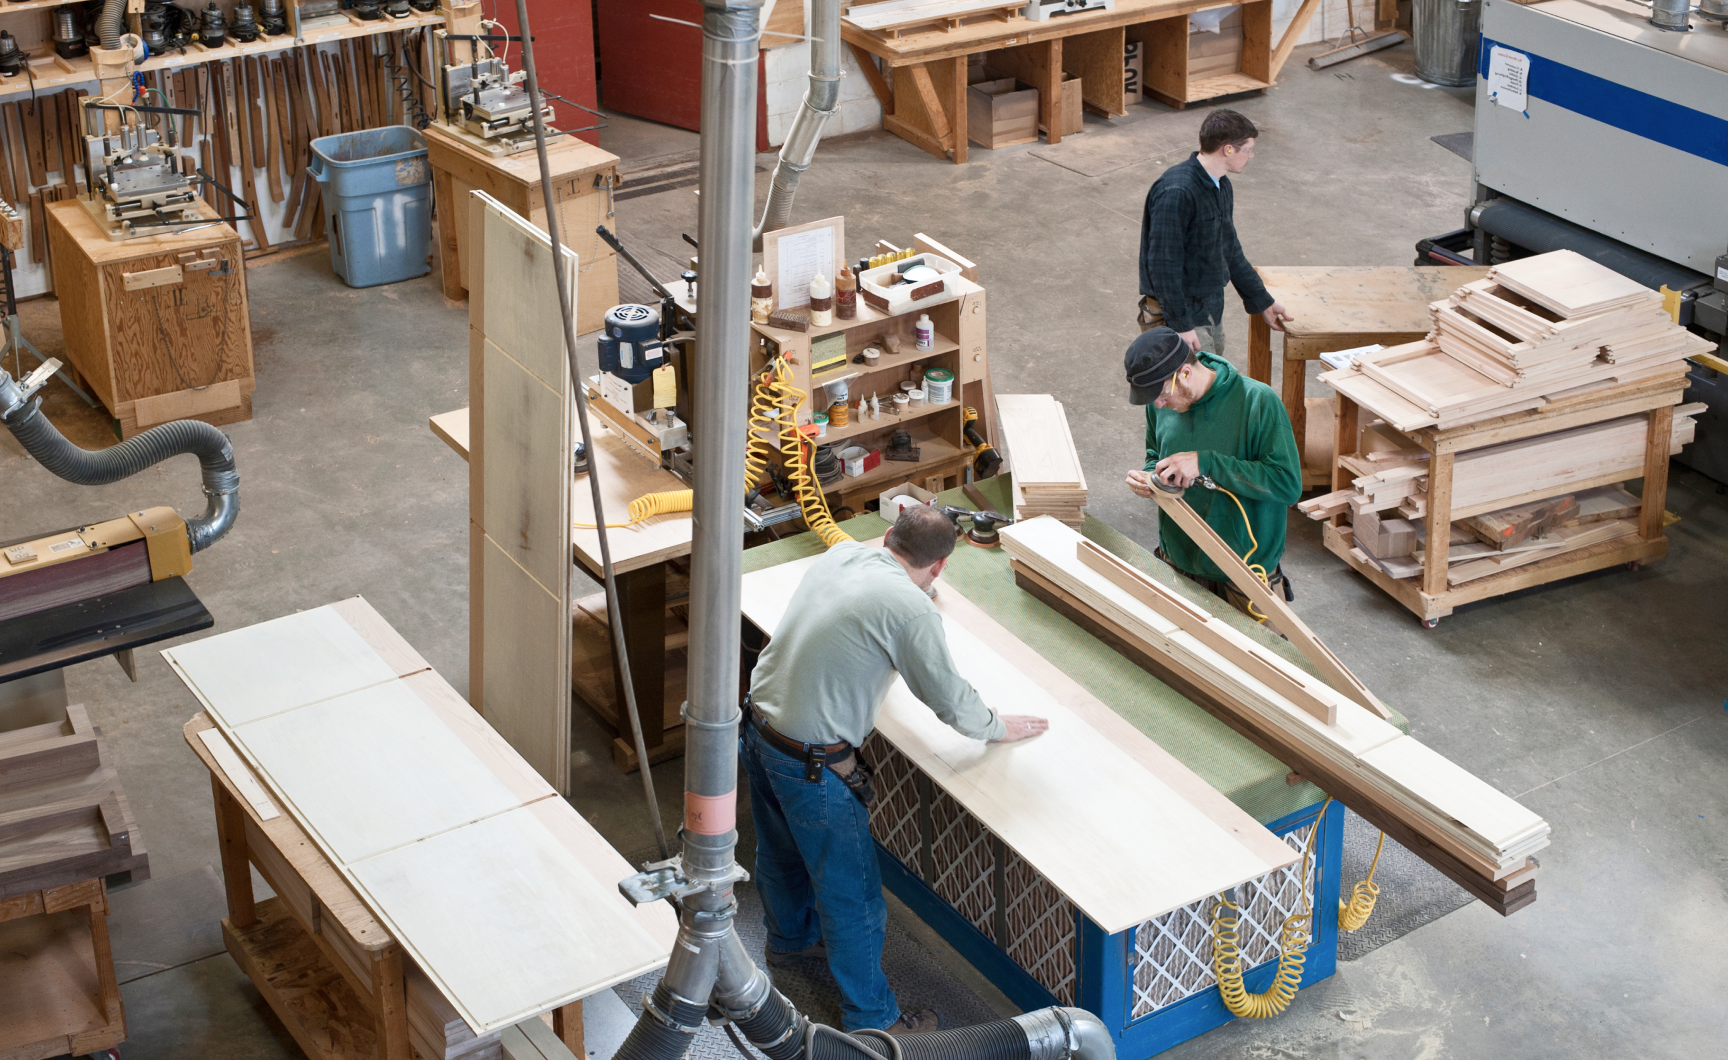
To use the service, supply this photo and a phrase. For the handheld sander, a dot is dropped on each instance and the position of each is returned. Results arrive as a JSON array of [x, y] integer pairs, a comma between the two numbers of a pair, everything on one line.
[[985, 524]]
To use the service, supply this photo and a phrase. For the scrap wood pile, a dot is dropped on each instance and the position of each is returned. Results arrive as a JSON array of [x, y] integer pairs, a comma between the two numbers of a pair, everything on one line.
[[1465, 827], [1493, 529], [1039, 450], [1535, 330]]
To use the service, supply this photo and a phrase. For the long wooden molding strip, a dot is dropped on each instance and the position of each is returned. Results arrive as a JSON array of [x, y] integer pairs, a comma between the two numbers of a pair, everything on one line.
[[1111, 819], [1467, 829], [1334, 671], [1237, 649]]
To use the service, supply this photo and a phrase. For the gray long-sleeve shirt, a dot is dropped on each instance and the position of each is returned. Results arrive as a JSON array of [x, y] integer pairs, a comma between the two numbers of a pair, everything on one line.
[[855, 620]]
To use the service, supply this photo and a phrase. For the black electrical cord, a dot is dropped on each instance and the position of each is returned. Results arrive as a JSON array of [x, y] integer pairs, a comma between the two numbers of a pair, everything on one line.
[[615, 612]]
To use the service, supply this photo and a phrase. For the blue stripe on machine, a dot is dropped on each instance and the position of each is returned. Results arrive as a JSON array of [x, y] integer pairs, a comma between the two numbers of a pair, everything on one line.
[[1625, 108]]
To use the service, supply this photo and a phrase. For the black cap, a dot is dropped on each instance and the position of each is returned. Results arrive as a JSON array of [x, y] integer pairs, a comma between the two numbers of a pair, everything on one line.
[[1150, 362]]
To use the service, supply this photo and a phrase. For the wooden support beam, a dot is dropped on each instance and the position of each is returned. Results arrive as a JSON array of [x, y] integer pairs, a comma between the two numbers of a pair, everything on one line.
[[1287, 43], [873, 74]]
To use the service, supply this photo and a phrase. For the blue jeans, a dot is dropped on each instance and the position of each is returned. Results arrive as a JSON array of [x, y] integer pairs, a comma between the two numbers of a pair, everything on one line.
[[816, 872]]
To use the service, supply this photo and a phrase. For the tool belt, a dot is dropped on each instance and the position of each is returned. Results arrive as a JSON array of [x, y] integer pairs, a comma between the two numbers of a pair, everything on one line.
[[840, 758]]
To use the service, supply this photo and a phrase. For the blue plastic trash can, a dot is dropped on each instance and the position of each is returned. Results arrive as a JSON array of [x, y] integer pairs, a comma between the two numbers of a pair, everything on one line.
[[377, 189]]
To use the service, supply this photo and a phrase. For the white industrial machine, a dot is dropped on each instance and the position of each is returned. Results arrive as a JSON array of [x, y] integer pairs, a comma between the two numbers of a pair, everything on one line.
[[482, 100]]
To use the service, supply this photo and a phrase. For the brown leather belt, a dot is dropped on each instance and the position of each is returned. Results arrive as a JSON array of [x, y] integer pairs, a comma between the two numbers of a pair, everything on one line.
[[814, 755]]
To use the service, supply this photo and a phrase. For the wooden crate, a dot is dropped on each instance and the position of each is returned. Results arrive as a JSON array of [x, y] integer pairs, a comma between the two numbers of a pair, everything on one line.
[[583, 178], [58, 991], [1000, 113], [1216, 54], [1184, 68], [160, 347]]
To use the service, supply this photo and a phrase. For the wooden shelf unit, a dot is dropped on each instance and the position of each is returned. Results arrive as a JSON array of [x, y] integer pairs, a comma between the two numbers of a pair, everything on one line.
[[939, 430], [1427, 595], [58, 991]]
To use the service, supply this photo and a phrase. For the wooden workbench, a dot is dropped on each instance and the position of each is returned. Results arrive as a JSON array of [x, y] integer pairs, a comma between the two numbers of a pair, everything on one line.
[[155, 347], [326, 966], [1340, 308], [923, 94], [1428, 596], [583, 179]]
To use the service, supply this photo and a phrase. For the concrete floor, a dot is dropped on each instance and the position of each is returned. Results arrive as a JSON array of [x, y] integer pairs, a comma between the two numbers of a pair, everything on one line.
[[1596, 702]]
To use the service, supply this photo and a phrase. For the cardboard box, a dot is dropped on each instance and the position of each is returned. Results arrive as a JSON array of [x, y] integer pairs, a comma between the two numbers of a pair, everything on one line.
[[1073, 114], [1133, 71], [904, 495], [1000, 113]]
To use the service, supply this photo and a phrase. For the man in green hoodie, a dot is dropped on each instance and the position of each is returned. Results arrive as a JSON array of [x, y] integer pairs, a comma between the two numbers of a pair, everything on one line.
[[1207, 424]]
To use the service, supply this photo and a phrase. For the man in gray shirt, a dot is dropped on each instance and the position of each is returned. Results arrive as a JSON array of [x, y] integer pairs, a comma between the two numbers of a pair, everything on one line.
[[860, 616]]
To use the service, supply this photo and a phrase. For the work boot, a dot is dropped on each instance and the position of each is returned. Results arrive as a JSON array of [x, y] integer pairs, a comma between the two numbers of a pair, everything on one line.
[[921, 1022], [777, 959]]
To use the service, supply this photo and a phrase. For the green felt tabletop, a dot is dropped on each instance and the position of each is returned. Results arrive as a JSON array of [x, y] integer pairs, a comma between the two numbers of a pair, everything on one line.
[[1250, 777]]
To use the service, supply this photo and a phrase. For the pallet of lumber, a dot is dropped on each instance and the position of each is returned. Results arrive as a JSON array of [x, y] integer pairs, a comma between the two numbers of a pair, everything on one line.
[[1534, 330], [1470, 831], [1039, 450], [63, 817]]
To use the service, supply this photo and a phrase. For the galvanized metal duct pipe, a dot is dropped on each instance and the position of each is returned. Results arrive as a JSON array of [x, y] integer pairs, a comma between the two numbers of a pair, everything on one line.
[[1671, 14], [820, 102], [23, 417]]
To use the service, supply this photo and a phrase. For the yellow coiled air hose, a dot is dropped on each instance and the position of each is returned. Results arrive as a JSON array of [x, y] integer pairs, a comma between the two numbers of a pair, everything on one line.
[[651, 504], [1293, 940], [1258, 570], [1354, 913], [776, 406]]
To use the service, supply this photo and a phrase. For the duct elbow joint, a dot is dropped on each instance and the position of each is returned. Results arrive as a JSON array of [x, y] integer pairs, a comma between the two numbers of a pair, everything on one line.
[[220, 511], [1066, 1034]]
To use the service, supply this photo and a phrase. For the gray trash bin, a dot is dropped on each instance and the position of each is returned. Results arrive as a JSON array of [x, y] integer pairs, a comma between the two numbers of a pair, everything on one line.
[[1448, 36]]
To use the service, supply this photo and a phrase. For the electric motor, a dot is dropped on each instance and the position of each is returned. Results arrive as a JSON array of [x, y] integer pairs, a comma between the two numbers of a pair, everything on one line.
[[272, 19], [212, 27], [12, 58], [628, 328], [68, 34]]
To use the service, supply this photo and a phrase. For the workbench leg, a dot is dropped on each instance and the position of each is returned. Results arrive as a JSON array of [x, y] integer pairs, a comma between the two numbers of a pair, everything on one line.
[[1439, 523], [107, 984], [642, 603], [1259, 349], [390, 1001], [236, 868], [449, 260], [1294, 383], [957, 116], [1655, 499], [1050, 91], [567, 1025]]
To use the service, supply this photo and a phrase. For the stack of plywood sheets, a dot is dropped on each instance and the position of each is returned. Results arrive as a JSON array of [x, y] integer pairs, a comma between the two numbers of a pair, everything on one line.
[[1464, 826], [498, 890], [1106, 816], [1534, 330], [1040, 452]]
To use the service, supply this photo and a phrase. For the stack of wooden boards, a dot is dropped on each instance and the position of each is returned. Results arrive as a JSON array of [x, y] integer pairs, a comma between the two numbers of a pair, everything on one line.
[[890, 18], [1474, 834], [255, 112], [498, 890], [1039, 450], [1389, 494], [65, 825], [1535, 330]]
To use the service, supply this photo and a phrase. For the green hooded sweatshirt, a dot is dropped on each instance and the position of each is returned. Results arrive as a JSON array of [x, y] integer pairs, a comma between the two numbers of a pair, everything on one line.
[[1242, 433]]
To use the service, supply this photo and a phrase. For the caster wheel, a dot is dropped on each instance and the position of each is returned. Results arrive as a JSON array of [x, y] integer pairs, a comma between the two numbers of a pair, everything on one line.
[[106, 1054], [1430, 623], [1634, 565]]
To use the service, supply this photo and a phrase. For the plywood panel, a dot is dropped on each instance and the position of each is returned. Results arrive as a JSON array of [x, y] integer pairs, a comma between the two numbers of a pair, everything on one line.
[[1123, 842], [527, 691], [522, 316], [527, 467]]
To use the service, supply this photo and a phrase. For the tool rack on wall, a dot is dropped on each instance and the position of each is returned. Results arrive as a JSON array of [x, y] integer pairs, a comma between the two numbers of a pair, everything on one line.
[[261, 105]]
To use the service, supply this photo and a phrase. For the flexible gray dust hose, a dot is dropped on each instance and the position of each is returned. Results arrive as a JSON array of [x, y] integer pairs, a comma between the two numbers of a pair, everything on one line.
[[53, 451], [110, 25], [821, 100]]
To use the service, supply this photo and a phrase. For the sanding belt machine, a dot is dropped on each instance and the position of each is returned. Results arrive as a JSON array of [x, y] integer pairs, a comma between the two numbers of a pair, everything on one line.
[[111, 586]]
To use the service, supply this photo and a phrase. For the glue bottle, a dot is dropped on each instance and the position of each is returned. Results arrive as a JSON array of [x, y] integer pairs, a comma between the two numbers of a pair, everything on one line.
[[924, 333]]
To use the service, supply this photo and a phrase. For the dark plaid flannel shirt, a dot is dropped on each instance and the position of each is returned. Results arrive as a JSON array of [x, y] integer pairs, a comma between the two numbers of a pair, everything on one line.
[[1188, 248]]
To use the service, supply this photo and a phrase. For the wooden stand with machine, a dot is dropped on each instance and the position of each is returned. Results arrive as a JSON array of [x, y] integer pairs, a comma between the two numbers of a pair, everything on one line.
[[160, 326]]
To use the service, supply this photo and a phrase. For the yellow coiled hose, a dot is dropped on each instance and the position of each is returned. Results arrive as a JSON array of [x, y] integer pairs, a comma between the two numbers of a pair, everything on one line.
[[1354, 913], [774, 411], [1293, 942], [649, 505]]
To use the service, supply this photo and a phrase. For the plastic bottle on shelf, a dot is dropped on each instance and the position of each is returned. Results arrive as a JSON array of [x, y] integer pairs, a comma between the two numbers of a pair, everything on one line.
[[924, 333]]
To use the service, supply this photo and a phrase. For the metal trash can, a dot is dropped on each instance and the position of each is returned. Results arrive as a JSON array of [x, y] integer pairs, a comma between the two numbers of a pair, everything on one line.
[[377, 189], [1448, 35]]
